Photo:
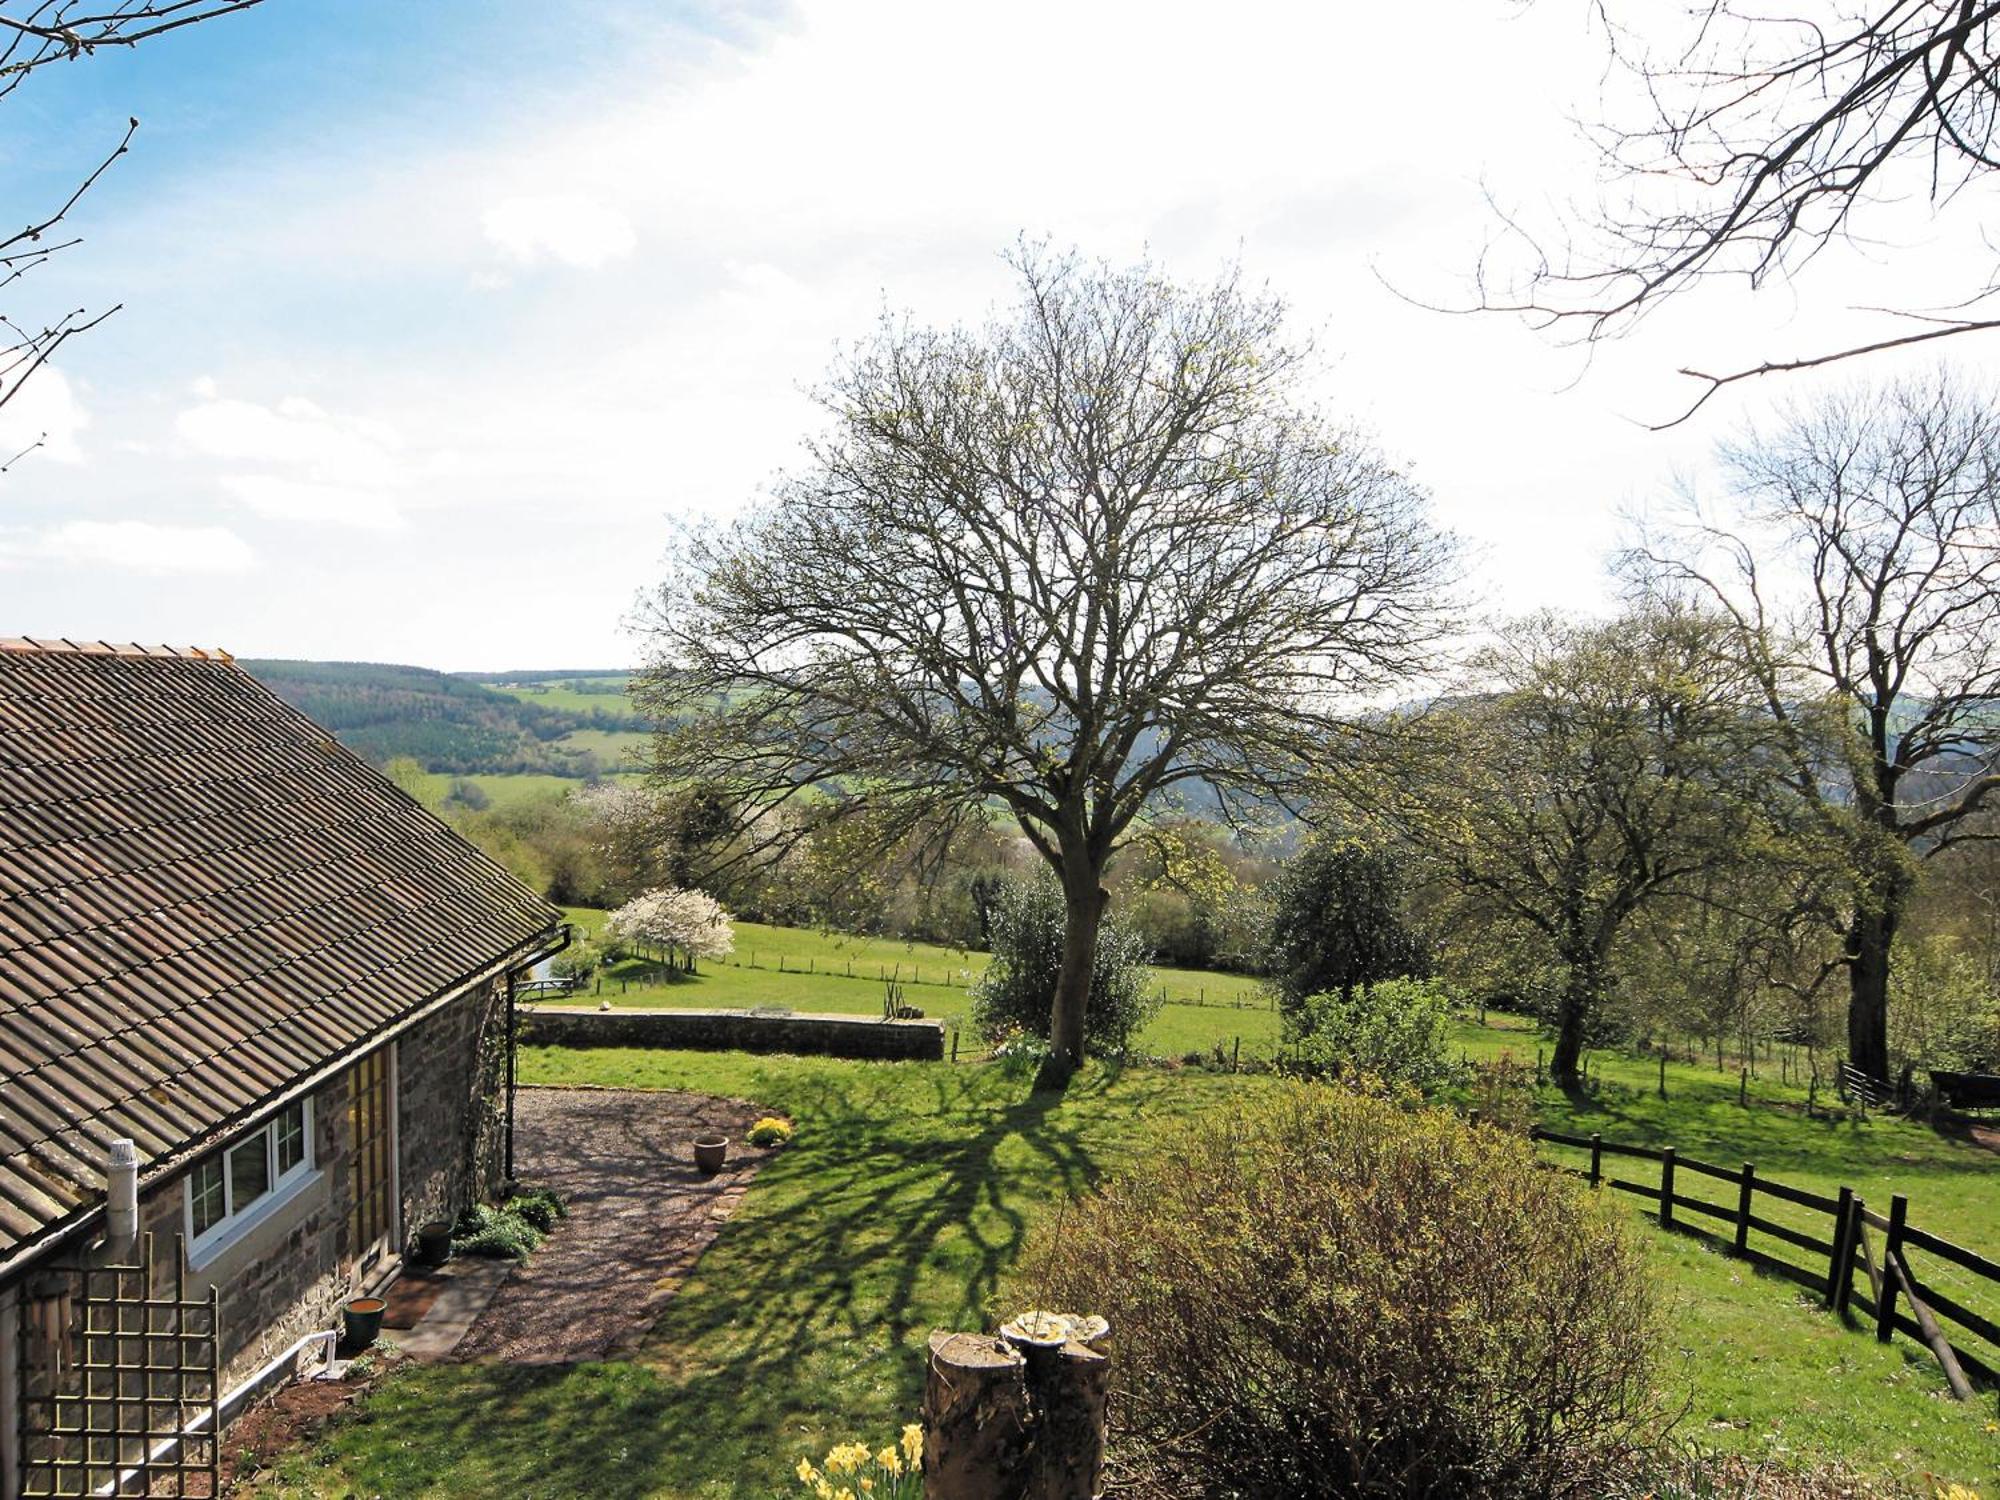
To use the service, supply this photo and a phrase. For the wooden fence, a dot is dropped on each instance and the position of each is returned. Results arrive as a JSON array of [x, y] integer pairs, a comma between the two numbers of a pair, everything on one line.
[[1841, 1263]]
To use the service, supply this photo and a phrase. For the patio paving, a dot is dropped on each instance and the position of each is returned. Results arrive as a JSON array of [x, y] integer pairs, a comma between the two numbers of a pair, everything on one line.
[[640, 1217]]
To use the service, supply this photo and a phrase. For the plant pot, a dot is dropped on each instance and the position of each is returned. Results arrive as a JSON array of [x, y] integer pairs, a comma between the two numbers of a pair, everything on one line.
[[434, 1242], [362, 1319], [710, 1152]]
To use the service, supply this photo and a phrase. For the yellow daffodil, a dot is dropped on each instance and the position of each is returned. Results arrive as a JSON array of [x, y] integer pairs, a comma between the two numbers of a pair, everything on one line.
[[891, 1460], [807, 1473], [913, 1443]]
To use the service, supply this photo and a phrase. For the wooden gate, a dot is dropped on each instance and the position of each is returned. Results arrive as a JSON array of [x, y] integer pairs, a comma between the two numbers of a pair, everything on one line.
[[120, 1382]]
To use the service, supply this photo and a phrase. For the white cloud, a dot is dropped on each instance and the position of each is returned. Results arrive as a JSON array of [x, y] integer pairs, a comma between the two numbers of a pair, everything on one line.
[[294, 432], [310, 464], [45, 414], [567, 228], [131, 546], [278, 498]]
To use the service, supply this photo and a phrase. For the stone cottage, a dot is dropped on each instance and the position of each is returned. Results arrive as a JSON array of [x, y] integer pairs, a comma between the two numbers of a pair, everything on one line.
[[255, 1020]]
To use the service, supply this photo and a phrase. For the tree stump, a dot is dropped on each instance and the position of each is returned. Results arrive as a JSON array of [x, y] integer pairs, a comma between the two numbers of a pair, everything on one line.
[[976, 1419], [1067, 1387], [1018, 1417]]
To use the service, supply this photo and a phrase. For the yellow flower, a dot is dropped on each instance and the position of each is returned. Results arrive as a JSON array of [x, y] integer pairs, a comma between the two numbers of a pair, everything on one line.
[[823, 1490], [807, 1473], [867, 1485], [891, 1460], [913, 1443]]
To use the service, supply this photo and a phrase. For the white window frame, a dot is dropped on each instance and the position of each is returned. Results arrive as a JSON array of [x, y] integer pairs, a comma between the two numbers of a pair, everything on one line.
[[236, 1222]]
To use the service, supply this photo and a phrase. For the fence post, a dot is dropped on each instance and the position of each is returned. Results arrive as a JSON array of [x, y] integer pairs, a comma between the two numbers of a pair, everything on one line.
[[1845, 1292], [1667, 1188], [1743, 1208], [1663, 1072], [1596, 1159], [1892, 1247], [1842, 1257]]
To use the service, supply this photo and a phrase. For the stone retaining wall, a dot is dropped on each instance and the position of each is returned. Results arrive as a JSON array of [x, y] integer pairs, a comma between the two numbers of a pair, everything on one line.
[[809, 1033]]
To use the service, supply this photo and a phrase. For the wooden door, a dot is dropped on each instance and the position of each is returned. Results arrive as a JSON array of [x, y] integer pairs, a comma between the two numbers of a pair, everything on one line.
[[371, 1119]]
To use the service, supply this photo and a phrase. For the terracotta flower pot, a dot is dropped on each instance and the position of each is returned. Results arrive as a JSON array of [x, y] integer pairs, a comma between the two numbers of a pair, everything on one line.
[[362, 1318], [710, 1152]]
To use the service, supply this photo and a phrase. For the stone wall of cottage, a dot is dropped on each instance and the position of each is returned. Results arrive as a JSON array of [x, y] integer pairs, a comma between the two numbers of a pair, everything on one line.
[[285, 1278], [289, 1275], [451, 1107]]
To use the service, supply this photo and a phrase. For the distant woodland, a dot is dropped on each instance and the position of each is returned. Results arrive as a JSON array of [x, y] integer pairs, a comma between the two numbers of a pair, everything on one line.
[[491, 724]]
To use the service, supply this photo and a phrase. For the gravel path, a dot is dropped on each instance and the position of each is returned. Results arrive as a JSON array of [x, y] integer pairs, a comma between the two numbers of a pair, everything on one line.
[[640, 1216]]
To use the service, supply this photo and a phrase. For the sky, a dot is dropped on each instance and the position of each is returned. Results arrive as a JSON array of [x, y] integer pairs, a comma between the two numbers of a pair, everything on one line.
[[435, 320]]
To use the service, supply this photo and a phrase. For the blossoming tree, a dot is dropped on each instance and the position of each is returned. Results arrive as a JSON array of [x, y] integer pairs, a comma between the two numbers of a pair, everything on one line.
[[685, 925]]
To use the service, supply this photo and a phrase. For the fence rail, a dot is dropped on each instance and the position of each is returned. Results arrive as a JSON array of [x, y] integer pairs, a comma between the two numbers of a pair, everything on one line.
[[1832, 1261]]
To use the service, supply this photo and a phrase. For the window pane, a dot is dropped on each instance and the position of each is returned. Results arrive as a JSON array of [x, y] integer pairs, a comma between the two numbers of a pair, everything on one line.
[[249, 1173], [205, 1194], [291, 1137]]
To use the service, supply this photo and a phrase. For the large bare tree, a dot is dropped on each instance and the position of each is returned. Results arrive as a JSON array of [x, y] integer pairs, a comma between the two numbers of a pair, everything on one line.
[[1861, 574], [1758, 133], [1059, 566], [39, 34]]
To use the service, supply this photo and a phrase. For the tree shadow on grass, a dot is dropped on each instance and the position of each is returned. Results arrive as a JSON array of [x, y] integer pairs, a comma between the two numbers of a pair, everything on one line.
[[899, 1210]]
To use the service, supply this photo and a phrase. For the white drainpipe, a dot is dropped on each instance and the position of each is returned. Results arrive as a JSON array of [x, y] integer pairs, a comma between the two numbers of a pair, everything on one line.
[[121, 1195]]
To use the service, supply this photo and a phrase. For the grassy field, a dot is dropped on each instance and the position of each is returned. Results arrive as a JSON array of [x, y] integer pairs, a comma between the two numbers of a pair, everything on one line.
[[577, 695], [619, 748], [899, 1210], [806, 970]]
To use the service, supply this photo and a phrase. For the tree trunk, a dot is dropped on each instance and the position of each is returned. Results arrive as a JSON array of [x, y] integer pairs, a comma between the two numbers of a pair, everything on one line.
[[977, 1424], [1084, 900], [1579, 1003], [1870, 937]]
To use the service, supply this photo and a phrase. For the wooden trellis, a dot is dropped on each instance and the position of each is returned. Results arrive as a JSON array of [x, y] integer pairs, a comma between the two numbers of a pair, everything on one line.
[[121, 1382]]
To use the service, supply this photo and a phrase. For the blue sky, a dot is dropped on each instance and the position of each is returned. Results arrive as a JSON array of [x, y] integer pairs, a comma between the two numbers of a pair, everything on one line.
[[438, 316]]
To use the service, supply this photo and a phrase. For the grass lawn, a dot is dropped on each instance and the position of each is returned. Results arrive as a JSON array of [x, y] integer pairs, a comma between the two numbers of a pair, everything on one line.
[[804, 969], [899, 1210]]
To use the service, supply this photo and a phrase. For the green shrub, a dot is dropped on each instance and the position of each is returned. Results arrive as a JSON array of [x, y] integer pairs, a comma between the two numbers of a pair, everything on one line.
[[1018, 990], [1398, 1031], [578, 963], [1336, 923], [499, 1232], [1320, 1293], [543, 1208], [511, 1230]]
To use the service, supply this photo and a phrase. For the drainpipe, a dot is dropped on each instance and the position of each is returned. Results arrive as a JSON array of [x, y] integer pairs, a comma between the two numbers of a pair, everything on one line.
[[121, 1197]]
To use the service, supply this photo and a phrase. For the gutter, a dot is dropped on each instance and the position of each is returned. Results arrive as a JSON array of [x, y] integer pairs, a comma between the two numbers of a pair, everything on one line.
[[530, 952]]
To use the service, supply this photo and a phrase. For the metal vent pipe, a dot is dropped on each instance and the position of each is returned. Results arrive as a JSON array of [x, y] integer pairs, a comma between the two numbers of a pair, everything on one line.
[[121, 1194]]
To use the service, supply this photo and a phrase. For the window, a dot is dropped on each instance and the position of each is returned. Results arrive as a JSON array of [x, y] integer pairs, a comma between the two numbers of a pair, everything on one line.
[[233, 1188]]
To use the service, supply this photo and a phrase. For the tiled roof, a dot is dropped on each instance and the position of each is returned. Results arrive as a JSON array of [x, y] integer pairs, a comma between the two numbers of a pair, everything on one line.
[[203, 900]]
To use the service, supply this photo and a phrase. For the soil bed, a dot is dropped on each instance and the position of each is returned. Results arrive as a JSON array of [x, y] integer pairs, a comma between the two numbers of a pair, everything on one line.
[[640, 1216]]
